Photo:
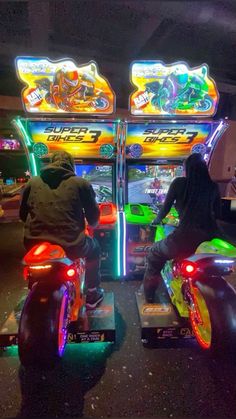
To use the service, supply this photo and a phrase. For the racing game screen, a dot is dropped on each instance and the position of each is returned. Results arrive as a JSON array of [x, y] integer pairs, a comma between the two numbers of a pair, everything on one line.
[[148, 184], [100, 177]]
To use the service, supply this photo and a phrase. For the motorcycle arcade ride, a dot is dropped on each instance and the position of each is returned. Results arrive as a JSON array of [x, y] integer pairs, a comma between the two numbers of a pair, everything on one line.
[[62, 87], [154, 153]]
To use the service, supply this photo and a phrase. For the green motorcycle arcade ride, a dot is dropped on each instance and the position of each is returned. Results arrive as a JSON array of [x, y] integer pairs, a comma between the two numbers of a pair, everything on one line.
[[202, 287]]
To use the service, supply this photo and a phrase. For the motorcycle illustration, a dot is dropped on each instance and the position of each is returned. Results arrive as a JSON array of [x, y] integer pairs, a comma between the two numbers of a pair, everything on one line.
[[71, 92], [180, 92], [202, 288], [54, 300]]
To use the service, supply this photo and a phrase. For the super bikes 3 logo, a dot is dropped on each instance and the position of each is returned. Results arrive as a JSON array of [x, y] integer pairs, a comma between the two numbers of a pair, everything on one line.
[[72, 134], [169, 136]]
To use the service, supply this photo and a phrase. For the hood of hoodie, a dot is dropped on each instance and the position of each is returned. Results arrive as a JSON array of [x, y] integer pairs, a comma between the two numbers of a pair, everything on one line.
[[55, 173]]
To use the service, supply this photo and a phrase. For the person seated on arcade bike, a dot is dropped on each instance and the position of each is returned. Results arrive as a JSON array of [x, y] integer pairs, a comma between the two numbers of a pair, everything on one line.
[[197, 200], [54, 208]]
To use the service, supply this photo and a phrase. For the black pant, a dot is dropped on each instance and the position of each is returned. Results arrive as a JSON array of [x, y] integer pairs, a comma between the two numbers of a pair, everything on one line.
[[177, 245], [89, 249]]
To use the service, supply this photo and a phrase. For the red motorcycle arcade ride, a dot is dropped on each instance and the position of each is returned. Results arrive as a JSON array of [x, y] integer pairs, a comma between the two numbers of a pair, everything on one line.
[[53, 312]]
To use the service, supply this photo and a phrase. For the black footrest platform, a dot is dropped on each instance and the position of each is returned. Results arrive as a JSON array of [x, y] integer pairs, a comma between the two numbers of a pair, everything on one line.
[[96, 325], [160, 320]]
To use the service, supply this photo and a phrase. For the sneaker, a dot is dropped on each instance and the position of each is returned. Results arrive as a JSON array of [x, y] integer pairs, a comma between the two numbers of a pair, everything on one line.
[[94, 297]]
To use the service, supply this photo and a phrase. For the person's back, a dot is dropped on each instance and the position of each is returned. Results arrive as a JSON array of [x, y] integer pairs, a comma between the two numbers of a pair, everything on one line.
[[197, 200], [57, 204], [54, 207]]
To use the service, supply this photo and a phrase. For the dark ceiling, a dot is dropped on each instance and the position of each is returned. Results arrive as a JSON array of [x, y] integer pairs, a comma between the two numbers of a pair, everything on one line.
[[115, 32]]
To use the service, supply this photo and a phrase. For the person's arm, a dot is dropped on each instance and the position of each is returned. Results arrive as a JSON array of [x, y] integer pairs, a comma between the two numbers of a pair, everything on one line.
[[24, 208], [169, 201], [90, 206]]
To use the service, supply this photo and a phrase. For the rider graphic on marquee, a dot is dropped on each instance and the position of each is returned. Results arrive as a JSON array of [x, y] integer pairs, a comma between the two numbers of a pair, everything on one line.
[[64, 87]]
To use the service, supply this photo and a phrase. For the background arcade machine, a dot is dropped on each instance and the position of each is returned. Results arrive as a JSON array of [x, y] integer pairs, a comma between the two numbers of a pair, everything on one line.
[[63, 89], [13, 173], [154, 153]]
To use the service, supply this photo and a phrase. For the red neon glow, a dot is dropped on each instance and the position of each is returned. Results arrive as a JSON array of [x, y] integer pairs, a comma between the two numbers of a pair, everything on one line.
[[40, 249], [26, 273], [195, 319], [108, 213], [188, 268], [40, 267], [44, 251]]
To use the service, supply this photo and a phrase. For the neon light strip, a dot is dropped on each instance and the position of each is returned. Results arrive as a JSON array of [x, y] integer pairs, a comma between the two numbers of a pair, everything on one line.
[[124, 244], [33, 165], [22, 129], [118, 246], [121, 251], [215, 133]]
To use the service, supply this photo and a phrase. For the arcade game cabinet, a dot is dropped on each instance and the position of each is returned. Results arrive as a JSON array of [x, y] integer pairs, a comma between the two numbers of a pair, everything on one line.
[[178, 100], [64, 95]]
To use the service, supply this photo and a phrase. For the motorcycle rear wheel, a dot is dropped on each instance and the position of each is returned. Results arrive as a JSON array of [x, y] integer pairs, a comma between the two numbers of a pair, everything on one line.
[[42, 332], [213, 315], [200, 320]]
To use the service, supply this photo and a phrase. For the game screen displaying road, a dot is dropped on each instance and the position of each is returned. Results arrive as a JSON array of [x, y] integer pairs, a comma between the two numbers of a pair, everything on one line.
[[100, 177], [148, 184]]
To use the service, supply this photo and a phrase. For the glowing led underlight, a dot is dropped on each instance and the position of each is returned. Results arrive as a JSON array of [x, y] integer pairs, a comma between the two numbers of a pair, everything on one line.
[[223, 261], [124, 243], [40, 267]]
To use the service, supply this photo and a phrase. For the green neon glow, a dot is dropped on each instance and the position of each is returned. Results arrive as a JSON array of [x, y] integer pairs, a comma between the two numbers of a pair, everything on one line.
[[33, 165], [138, 214], [89, 347], [88, 352], [23, 131], [160, 233], [28, 143], [222, 243], [10, 351]]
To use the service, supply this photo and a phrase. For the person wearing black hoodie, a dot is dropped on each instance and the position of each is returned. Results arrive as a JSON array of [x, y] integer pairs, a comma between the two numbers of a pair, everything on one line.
[[54, 207]]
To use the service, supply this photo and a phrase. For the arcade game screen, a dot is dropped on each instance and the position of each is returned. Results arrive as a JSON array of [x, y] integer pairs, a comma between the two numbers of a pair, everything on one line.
[[100, 177], [9, 144], [149, 183]]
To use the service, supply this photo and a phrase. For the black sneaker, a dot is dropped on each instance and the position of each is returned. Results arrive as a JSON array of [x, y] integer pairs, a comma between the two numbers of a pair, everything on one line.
[[93, 298]]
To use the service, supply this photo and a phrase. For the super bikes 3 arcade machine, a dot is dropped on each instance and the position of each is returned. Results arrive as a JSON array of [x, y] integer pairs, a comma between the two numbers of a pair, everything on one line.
[[63, 88], [177, 99], [64, 95]]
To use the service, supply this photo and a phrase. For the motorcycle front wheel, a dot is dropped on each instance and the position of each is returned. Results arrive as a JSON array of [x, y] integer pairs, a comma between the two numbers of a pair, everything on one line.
[[101, 103], [213, 315], [204, 105], [42, 332]]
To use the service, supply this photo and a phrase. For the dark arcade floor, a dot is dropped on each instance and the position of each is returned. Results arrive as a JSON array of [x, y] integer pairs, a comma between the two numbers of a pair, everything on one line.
[[124, 379]]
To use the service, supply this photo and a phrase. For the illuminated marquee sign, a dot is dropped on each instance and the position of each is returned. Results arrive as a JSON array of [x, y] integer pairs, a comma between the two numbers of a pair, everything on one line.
[[81, 139], [64, 87], [172, 90], [164, 140]]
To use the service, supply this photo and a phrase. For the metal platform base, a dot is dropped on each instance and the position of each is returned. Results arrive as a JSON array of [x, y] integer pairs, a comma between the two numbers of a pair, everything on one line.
[[96, 325], [160, 319]]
